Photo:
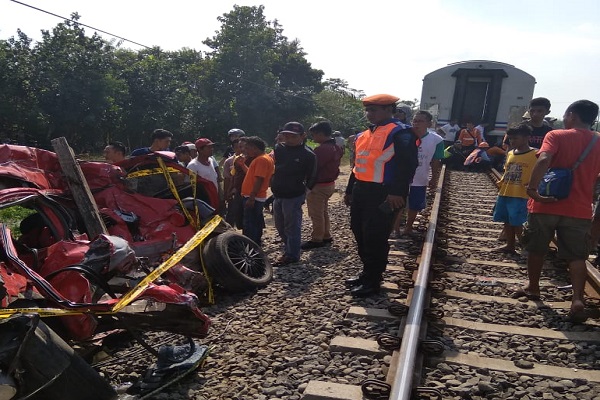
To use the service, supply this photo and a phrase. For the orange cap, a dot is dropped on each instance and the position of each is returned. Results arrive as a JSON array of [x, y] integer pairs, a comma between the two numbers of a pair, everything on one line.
[[380, 100]]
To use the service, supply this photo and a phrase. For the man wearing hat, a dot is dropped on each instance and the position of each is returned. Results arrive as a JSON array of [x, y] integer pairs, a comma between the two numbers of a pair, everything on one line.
[[205, 164], [232, 135], [192, 147], [295, 172], [183, 155], [403, 113], [386, 160]]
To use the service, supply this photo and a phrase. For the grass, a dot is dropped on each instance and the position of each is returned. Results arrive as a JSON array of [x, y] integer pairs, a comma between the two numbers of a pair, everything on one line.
[[12, 216]]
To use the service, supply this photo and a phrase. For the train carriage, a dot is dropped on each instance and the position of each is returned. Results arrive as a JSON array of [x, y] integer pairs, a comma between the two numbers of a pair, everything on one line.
[[489, 92]]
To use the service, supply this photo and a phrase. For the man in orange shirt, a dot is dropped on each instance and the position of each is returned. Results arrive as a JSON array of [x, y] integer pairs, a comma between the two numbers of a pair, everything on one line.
[[254, 188], [470, 137]]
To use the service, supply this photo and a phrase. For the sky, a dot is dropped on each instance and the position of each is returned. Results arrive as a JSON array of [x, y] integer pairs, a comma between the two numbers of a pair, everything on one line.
[[377, 46]]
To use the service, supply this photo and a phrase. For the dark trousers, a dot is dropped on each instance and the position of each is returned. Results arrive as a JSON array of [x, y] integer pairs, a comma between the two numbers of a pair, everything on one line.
[[235, 212], [269, 201], [371, 228], [455, 161], [254, 221]]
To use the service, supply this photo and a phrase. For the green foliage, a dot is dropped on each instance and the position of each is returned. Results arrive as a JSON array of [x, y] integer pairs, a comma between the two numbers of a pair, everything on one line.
[[74, 84], [261, 80], [12, 216], [341, 106], [92, 92]]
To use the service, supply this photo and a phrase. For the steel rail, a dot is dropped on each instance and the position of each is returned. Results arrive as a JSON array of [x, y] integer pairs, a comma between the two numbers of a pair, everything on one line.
[[403, 379], [402, 383]]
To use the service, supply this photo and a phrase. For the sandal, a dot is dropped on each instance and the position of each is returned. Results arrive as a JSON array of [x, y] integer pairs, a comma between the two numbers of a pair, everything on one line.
[[524, 293], [283, 261]]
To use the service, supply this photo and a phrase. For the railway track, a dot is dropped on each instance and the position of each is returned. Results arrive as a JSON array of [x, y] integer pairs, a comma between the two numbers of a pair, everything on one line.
[[304, 337], [496, 346]]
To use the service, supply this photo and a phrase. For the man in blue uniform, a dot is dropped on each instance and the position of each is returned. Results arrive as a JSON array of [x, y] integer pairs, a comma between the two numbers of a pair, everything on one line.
[[386, 160]]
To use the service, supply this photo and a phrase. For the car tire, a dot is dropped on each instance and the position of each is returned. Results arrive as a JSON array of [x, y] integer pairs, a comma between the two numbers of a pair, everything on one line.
[[236, 262]]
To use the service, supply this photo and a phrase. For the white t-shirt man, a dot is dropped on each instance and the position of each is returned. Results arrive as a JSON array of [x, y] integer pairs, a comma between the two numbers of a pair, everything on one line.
[[450, 131], [208, 172], [427, 150]]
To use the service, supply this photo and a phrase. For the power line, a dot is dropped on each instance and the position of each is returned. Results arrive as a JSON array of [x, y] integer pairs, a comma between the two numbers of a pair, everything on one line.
[[79, 23], [285, 93]]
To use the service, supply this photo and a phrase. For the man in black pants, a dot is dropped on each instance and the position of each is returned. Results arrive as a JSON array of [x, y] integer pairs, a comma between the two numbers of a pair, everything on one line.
[[295, 173], [386, 159]]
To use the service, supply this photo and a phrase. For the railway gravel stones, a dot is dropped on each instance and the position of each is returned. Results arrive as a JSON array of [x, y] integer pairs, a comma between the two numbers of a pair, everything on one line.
[[478, 287], [276, 342]]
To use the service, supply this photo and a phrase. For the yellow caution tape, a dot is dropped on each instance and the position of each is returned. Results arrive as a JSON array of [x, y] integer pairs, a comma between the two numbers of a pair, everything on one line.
[[194, 184], [173, 188], [195, 223], [174, 259], [211, 292], [151, 171], [42, 312], [132, 295]]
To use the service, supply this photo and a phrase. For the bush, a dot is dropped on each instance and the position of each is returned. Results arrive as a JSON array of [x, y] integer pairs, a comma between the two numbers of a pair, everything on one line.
[[12, 216]]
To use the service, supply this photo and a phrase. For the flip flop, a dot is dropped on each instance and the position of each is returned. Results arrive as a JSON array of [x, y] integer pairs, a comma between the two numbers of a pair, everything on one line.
[[524, 293]]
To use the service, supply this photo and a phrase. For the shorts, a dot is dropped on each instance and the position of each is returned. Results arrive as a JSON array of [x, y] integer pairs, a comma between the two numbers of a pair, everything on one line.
[[573, 235], [417, 198], [510, 210]]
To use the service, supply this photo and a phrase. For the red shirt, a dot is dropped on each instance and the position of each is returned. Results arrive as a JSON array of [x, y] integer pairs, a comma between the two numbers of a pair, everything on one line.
[[566, 145], [328, 161]]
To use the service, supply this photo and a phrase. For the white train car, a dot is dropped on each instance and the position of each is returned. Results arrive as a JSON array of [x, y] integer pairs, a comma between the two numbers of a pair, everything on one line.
[[481, 91]]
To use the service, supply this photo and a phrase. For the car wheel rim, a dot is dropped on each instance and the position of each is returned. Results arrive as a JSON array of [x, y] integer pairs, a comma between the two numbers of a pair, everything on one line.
[[246, 258]]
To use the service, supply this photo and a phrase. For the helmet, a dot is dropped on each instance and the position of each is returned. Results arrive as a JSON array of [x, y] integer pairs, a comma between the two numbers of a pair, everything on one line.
[[236, 131]]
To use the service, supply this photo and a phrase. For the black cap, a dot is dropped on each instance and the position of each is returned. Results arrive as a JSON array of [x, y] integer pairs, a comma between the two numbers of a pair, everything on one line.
[[293, 127]]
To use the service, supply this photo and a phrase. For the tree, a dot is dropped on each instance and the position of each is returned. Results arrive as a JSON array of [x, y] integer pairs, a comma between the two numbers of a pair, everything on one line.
[[91, 91], [74, 84], [342, 106], [259, 79], [161, 88], [18, 101]]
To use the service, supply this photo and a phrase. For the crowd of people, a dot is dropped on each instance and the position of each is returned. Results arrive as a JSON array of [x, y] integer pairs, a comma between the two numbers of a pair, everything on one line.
[[392, 163], [533, 219]]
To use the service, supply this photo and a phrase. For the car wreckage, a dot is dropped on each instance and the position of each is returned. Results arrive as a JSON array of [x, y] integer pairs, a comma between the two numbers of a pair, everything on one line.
[[163, 249]]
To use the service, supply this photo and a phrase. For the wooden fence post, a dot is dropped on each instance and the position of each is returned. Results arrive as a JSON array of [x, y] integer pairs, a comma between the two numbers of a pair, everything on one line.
[[80, 190]]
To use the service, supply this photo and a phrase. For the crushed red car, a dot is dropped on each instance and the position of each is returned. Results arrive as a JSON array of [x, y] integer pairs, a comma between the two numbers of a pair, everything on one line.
[[148, 271]]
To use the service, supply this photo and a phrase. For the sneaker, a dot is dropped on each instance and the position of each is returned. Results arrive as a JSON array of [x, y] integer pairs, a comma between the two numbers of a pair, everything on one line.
[[312, 245]]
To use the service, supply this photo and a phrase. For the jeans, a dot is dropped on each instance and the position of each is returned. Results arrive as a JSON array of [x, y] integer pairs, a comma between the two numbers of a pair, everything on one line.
[[254, 221], [287, 214]]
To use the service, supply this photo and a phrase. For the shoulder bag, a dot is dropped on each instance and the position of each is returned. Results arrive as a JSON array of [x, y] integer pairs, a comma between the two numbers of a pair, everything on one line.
[[557, 181]]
